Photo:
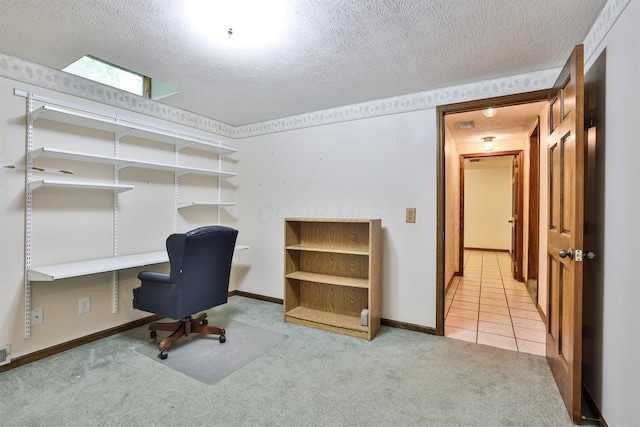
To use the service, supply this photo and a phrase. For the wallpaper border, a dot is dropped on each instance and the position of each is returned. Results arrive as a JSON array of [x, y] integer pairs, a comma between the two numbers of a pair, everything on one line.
[[49, 78], [39, 75], [406, 103]]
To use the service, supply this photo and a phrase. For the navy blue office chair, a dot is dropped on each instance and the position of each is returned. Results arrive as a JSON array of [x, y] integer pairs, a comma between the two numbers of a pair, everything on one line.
[[200, 262]]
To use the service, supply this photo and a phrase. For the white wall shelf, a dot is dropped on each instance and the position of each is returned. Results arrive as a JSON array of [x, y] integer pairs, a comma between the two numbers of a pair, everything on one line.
[[183, 205], [121, 127], [50, 273], [122, 163], [34, 185]]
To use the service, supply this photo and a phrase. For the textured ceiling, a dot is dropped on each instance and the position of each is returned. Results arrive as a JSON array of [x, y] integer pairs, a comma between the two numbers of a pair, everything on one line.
[[288, 57]]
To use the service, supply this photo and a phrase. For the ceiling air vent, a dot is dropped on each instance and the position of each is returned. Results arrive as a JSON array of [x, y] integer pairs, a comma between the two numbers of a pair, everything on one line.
[[474, 160], [469, 124]]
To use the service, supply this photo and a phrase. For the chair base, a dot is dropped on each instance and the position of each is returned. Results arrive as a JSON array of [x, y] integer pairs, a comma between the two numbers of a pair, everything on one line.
[[184, 327]]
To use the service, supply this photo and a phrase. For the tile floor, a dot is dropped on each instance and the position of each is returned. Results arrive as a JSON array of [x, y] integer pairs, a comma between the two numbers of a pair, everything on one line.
[[487, 306]]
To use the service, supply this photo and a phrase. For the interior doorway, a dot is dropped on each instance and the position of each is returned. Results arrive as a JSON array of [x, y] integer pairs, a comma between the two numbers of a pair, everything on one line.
[[585, 358], [491, 203], [450, 224], [487, 302]]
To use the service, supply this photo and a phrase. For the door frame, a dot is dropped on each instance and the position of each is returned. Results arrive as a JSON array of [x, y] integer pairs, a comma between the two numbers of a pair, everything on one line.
[[517, 153], [533, 262], [441, 112]]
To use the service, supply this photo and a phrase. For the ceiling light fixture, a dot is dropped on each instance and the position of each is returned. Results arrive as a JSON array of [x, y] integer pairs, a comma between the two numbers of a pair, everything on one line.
[[245, 25], [488, 143], [490, 112]]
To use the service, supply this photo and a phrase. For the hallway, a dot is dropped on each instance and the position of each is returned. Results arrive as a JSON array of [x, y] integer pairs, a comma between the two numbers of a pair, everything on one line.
[[487, 306]]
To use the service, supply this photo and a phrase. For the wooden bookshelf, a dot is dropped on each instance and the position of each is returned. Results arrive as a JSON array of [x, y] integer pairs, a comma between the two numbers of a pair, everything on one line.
[[332, 273]]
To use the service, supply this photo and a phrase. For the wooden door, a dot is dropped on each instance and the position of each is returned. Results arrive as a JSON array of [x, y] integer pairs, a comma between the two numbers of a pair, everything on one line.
[[565, 232]]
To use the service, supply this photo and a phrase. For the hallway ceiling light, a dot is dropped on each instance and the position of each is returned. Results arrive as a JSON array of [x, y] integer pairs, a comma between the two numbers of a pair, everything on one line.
[[490, 112], [488, 143]]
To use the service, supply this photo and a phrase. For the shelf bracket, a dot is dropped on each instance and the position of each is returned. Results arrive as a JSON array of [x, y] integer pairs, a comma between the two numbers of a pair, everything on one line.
[[123, 133], [180, 147], [121, 165]]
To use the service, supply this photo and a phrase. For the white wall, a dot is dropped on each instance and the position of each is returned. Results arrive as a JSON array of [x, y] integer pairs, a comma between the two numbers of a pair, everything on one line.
[[487, 208], [621, 299], [371, 168]]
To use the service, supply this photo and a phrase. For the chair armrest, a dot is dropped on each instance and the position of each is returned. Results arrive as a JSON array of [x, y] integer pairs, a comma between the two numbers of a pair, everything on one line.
[[150, 276]]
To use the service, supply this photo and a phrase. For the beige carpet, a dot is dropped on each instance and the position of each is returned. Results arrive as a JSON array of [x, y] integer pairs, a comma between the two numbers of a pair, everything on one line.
[[312, 378], [204, 358]]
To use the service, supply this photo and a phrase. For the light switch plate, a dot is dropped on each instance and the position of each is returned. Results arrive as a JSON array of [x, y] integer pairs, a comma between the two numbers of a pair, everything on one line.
[[411, 214]]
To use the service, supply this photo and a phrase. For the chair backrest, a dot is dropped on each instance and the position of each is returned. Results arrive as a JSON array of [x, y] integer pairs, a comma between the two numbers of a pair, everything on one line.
[[200, 262]]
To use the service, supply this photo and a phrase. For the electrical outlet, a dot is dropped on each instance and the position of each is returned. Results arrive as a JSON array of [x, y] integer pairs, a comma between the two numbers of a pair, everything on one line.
[[84, 305], [37, 316], [411, 214], [5, 354]]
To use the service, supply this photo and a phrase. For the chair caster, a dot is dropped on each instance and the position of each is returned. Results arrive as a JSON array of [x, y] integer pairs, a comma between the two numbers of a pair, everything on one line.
[[163, 354], [222, 338], [205, 322], [153, 334]]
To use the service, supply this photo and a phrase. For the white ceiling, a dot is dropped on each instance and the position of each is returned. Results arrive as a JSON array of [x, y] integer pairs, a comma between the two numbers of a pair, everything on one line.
[[310, 55], [510, 123]]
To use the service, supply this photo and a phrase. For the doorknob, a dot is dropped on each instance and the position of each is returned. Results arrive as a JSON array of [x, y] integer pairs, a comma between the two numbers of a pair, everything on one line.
[[564, 254], [589, 255]]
